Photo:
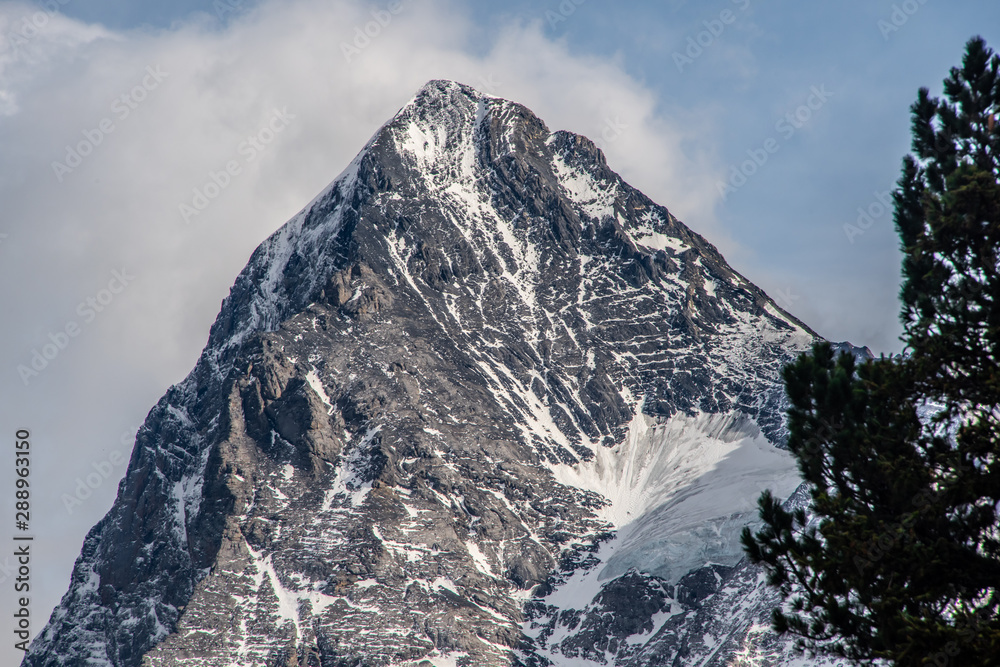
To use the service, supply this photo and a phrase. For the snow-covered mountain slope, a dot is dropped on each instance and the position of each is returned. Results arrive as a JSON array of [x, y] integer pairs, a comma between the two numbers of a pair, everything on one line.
[[480, 403]]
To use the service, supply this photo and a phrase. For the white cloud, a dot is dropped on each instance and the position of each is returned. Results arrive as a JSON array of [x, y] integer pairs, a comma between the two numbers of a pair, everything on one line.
[[156, 114], [33, 40]]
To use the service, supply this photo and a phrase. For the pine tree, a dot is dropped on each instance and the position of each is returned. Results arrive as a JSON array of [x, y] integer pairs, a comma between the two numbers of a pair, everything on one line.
[[897, 556]]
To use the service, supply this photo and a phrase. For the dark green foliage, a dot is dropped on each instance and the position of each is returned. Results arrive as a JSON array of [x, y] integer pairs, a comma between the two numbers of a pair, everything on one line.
[[897, 556]]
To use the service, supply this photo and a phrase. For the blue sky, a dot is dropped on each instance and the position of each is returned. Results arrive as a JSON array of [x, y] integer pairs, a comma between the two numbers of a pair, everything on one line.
[[683, 92]]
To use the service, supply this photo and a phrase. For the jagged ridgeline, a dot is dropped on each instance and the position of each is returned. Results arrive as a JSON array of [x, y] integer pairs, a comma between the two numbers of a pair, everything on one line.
[[480, 403]]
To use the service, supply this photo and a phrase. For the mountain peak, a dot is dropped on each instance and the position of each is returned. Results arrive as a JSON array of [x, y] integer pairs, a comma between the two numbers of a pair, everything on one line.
[[477, 397], [444, 89], [437, 91], [442, 101]]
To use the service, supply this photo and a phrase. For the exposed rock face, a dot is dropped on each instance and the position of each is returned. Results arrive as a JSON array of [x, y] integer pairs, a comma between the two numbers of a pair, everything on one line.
[[480, 403]]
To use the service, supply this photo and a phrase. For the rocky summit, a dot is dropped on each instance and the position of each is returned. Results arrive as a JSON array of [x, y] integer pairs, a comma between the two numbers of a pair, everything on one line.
[[480, 403]]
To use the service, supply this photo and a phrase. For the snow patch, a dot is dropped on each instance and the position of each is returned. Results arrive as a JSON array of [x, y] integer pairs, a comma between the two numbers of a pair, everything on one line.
[[681, 491], [479, 559], [595, 200], [317, 386], [348, 483]]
